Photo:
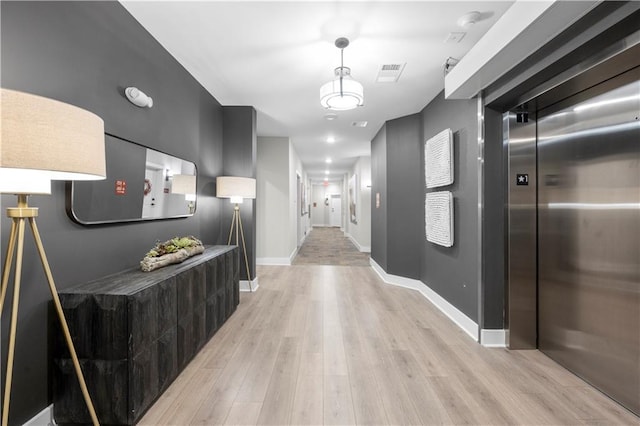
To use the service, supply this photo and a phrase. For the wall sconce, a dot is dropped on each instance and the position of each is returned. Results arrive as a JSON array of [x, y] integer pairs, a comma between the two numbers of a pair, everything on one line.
[[138, 98]]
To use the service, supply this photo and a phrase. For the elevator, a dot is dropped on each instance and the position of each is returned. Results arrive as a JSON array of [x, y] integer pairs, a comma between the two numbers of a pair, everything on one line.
[[574, 232]]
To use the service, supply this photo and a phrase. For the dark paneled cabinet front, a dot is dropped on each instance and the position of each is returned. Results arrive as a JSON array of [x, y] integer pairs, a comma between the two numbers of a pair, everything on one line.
[[135, 331]]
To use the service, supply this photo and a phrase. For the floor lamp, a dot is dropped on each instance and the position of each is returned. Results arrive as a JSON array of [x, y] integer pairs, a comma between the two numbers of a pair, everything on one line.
[[42, 140], [237, 189], [185, 184]]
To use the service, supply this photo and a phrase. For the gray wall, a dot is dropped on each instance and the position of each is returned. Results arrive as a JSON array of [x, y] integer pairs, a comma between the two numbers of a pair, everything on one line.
[[453, 271], [405, 183], [379, 192], [239, 159], [398, 238], [86, 53], [493, 229]]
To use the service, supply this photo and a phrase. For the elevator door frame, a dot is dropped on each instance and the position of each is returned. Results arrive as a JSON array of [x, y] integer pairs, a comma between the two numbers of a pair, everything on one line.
[[519, 149], [523, 239]]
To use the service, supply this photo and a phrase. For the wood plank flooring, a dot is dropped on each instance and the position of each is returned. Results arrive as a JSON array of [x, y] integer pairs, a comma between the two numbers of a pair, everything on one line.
[[335, 345]]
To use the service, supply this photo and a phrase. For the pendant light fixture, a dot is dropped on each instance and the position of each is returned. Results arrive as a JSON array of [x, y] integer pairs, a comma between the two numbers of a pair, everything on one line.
[[343, 92]]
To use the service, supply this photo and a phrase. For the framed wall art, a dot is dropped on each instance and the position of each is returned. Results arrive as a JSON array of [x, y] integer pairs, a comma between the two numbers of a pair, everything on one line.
[[353, 185], [438, 159], [439, 221]]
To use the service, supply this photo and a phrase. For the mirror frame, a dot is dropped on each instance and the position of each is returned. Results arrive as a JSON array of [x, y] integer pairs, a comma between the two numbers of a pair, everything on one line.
[[72, 189]]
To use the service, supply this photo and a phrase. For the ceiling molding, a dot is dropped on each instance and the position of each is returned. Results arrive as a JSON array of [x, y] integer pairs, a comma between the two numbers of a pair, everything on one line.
[[520, 31]]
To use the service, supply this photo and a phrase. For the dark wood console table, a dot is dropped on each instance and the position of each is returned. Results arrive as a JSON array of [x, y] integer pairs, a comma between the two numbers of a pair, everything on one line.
[[135, 331]]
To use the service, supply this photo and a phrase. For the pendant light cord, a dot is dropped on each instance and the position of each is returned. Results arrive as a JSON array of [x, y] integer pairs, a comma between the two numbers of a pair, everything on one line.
[[341, 69]]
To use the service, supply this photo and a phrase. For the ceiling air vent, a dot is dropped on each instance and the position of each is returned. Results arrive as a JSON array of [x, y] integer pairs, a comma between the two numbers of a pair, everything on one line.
[[389, 73], [359, 124]]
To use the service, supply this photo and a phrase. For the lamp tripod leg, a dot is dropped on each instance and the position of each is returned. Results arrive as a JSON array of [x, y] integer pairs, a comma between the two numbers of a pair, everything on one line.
[[237, 222], [244, 250], [63, 321], [7, 262], [233, 222], [14, 320]]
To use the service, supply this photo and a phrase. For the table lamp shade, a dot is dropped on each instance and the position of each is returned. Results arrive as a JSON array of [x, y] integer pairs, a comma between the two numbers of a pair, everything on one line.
[[184, 184], [43, 139], [235, 187]]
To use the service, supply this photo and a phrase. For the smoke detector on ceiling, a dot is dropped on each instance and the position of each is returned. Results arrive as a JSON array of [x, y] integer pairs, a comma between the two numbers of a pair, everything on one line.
[[468, 19], [389, 73]]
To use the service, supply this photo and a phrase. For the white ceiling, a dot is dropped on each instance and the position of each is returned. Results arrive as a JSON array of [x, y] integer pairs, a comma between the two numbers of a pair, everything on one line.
[[275, 56]]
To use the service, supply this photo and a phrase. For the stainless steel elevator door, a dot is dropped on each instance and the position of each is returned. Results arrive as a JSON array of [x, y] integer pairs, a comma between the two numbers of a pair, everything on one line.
[[589, 240]]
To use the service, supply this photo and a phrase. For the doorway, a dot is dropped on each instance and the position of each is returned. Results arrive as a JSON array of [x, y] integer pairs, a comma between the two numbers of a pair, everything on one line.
[[335, 214], [152, 205]]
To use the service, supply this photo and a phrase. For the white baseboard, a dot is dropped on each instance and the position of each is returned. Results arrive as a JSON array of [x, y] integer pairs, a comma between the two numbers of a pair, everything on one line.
[[458, 317], [284, 261], [43, 418], [362, 249], [293, 255], [493, 338], [278, 261], [306, 234], [244, 285]]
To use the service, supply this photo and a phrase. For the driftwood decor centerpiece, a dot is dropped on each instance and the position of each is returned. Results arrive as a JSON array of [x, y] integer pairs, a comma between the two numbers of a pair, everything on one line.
[[171, 251]]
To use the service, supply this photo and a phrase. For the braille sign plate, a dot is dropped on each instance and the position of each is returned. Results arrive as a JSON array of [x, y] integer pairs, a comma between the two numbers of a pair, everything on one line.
[[522, 179]]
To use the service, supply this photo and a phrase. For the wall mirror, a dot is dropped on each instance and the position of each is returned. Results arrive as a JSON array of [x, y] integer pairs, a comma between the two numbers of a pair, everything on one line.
[[141, 184]]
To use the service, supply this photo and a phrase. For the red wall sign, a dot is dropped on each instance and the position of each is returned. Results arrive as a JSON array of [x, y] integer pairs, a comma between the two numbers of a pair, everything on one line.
[[121, 187]]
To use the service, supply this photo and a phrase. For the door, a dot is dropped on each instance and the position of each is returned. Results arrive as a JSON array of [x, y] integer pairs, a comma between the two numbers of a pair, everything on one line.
[[589, 237], [152, 205], [335, 215]]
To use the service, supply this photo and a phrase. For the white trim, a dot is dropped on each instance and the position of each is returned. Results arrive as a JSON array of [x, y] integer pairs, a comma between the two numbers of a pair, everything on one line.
[[244, 285], [293, 255], [43, 418], [493, 338], [284, 261], [362, 249], [304, 237], [455, 315]]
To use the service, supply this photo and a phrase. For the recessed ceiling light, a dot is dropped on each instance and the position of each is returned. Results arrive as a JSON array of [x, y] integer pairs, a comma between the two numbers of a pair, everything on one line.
[[326, 172], [328, 160], [326, 179], [331, 139], [331, 116]]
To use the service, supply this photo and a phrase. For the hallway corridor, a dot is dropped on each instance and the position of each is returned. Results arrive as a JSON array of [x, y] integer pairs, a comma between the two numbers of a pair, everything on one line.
[[329, 246]]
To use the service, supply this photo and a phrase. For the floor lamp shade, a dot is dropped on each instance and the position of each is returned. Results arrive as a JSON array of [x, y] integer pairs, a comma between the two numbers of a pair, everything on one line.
[[43, 139], [184, 184], [235, 187]]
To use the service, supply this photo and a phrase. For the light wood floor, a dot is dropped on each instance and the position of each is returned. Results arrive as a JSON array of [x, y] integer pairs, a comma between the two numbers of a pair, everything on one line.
[[334, 345]]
